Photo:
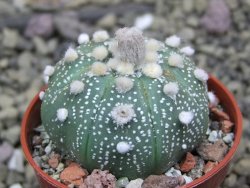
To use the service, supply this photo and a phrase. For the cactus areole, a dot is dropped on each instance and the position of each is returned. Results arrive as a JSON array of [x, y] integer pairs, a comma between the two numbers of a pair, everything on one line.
[[128, 104]]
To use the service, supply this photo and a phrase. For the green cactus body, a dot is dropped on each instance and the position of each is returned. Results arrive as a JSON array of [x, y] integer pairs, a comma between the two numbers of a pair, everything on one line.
[[155, 136]]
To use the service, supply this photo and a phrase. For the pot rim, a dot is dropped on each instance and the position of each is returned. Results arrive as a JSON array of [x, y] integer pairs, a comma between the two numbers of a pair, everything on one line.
[[196, 182]]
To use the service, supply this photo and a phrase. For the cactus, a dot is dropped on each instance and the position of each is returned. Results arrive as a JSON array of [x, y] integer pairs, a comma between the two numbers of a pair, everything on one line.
[[129, 104]]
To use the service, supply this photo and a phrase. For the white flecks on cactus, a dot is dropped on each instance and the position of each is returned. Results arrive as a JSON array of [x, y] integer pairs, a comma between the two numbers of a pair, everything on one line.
[[153, 45], [213, 100], [123, 84], [83, 38], [189, 51], [49, 70], [173, 41], [200, 74], [184, 146], [70, 55], [100, 53], [76, 87], [100, 36], [171, 89], [99, 69], [186, 117], [62, 114], [144, 22], [41, 95], [151, 57], [131, 45], [112, 63], [125, 68], [123, 147], [152, 70], [175, 60], [122, 114]]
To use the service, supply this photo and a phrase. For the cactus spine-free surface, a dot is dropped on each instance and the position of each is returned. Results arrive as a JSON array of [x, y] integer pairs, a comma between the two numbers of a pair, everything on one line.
[[130, 104]]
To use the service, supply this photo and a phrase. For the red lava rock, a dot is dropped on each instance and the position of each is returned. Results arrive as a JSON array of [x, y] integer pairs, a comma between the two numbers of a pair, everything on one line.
[[188, 163], [161, 181], [226, 126], [217, 18], [209, 166], [99, 179], [212, 152], [73, 174], [54, 160], [219, 114], [37, 140]]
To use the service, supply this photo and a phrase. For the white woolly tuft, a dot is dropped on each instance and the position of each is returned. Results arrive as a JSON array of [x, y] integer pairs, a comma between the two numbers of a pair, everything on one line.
[[112, 47], [173, 41], [70, 55], [123, 84], [99, 68], [49, 70], [122, 114], [186, 117], [100, 36], [100, 53], [112, 63], [171, 89], [151, 57], [76, 87], [213, 100], [152, 70], [200, 74], [131, 45], [188, 50], [153, 45], [41, 95], [46, 79], [123, 147], [62, 114], [143, 22], [83, 38], [184, 146], [175, 60], [125, 68]]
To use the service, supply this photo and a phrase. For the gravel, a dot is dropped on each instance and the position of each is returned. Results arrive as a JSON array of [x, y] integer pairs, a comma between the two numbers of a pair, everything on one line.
[[28, 44]]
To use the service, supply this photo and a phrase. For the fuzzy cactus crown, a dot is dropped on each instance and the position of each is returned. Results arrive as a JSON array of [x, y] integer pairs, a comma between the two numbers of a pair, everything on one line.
[[128, 104]]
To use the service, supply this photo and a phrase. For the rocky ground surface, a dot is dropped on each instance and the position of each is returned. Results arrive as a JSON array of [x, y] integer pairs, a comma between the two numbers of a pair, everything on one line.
[[36, 33]]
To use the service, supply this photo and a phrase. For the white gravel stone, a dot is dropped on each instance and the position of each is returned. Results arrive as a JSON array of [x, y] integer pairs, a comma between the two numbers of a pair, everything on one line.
[[228, 138], [16, 161], [144, 22], [16, 185], [213, 136], [187, 179], [135, 183], [172, 172]]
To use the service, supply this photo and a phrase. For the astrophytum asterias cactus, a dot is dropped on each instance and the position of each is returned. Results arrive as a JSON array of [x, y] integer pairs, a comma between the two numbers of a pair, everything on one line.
[[129, 104]]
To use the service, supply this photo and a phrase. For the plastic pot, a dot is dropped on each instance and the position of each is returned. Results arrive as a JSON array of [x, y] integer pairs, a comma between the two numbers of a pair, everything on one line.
[[213, 178]]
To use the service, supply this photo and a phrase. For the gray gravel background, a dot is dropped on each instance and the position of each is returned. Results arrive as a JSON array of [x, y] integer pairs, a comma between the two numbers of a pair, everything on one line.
[[35, 33]]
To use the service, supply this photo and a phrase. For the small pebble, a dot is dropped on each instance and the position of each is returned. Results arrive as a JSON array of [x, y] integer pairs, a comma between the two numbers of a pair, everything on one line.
[[187, 163], [135, 183], [16, 161]]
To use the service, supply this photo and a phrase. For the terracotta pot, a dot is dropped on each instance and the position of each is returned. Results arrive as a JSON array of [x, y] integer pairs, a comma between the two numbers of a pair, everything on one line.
[[212, 179]]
